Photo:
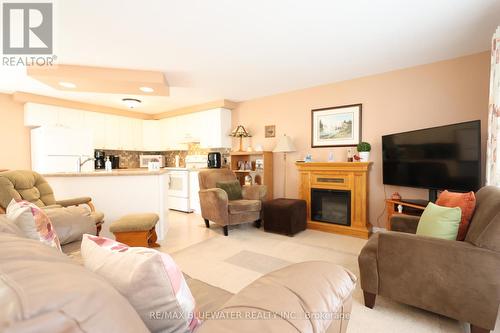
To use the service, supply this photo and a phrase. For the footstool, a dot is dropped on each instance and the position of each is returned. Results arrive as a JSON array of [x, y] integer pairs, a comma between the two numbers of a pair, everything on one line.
[[136, 230], [285, 216]]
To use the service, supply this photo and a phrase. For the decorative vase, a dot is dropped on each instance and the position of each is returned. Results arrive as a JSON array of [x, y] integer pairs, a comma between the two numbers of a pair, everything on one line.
[[364, 155]]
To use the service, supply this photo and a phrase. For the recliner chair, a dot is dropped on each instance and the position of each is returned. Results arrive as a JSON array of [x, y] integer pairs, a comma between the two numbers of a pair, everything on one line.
[[31, 186]]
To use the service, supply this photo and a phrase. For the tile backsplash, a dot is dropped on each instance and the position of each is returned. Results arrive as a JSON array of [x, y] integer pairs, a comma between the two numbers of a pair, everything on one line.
[[130, 159]]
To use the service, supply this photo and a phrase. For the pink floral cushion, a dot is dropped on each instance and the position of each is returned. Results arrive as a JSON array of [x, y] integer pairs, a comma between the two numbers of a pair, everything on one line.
[[149, 279], [33, 222]]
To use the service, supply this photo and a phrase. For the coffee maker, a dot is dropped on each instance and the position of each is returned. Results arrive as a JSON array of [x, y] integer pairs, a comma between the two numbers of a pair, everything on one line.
[[214, 160], [115, 161], [99, 159]]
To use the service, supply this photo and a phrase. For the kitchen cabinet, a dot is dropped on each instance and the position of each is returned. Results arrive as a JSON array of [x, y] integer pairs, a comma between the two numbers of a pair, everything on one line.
[[210, 128], [136, 134], [96, 122], [151, 135], [190, 125], [36, 115], [216, 128], [172, 136], [112, 132]]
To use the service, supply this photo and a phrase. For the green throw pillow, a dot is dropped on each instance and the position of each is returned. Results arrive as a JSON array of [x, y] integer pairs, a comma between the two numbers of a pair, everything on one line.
[[440, 222], [232, 188]]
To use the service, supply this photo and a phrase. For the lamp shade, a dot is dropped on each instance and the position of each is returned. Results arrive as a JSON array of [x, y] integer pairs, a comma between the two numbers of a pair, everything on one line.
[[285, 145], [240, 131]]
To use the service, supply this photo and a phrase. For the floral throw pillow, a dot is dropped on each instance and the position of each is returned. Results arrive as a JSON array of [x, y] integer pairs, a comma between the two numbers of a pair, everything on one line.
[[150, 280], [33, 222]]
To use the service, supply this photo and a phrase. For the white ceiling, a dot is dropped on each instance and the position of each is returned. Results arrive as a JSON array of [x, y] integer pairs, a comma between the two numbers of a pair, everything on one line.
[[239, 50]]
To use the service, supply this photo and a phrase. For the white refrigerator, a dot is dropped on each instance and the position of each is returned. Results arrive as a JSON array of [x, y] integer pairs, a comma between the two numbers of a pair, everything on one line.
[[59, 149]]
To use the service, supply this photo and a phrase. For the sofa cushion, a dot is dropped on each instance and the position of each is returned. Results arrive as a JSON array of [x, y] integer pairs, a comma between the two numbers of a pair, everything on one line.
[[71, 223], [466, 202], [484, 227], [232, 188], [33, 221], [25, 185], [44, 290], [280, 301], [439, 222], [241, 206], [150, 280], [208, 298]]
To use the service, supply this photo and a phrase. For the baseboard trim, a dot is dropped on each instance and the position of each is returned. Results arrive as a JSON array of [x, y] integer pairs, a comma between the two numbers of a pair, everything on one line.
[[378, 229]]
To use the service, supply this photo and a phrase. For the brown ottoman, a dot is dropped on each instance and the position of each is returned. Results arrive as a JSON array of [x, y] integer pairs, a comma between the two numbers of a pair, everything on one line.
[[136, 230], [285, 216]]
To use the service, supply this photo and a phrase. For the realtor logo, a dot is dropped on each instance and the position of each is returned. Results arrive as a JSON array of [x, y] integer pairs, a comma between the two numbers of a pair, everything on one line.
[[27, 28]]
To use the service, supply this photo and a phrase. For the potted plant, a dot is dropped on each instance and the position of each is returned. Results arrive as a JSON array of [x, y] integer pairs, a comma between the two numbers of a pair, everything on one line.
[[364, 151]]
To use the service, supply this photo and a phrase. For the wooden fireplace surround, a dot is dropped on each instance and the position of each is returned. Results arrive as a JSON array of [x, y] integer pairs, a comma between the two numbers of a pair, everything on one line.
[[352, 176]]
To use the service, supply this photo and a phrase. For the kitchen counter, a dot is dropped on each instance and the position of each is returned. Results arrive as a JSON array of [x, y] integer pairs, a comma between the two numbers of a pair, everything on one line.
[[102, 173], [118, 193]]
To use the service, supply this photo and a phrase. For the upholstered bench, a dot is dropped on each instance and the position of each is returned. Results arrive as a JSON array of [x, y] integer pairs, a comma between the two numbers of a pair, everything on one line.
[[285, 216], [136, 230]]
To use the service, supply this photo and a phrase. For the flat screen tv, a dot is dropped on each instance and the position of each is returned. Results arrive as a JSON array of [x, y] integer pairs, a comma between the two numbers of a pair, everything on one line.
[[437, 158]]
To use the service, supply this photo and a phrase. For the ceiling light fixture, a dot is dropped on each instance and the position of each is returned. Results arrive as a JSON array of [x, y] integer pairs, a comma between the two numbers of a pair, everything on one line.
[[131, 103], [146, 89], [68, 85]]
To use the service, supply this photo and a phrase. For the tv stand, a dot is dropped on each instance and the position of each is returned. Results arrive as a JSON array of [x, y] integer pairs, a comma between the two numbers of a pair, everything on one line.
[[410, 207]]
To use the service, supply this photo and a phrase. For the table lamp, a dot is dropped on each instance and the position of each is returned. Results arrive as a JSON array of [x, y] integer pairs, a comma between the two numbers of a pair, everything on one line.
[[240, 132]]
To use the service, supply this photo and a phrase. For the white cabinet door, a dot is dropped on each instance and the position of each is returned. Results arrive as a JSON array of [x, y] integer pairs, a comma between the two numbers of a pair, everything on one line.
[[225, 129], [166, 127], [216, 129], [172, 134], [151, 135], [96, 122], [36, 115], [70, 118], [112, 133], [137, 134], [189, 126]]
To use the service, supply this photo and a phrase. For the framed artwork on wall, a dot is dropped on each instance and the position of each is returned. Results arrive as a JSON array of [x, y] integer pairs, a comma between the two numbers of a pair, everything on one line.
[[338, 126], [270, 131]]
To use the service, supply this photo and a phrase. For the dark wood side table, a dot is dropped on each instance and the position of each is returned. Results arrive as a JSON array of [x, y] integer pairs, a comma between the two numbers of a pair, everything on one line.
[[415, 208]]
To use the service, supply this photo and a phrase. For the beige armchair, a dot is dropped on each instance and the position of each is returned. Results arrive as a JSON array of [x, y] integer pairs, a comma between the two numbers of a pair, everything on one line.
[[31, 186], [216, 207]]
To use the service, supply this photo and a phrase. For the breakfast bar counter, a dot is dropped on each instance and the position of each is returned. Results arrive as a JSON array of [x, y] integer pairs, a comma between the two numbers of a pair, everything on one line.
[[114, 172], [118, 193]]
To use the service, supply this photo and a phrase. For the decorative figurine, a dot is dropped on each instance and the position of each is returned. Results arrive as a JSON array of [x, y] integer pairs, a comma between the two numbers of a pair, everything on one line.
[[349, 155]]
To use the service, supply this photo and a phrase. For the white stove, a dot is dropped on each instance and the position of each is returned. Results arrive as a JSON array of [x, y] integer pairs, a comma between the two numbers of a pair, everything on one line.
[[184, 186]]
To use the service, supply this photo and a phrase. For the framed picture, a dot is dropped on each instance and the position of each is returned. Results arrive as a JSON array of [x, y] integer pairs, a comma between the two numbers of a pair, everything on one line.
[[270, 131], [338, 126]]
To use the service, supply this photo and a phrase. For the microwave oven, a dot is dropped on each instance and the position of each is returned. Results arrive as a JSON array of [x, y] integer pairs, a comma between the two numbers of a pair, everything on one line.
[[145, 159]]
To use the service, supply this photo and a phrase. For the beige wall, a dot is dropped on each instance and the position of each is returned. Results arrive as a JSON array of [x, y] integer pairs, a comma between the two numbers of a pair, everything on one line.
[[15, 138], [429, 95]]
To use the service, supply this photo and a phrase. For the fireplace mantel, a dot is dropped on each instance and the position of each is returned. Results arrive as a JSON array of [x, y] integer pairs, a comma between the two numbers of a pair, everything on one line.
[[353, 177]]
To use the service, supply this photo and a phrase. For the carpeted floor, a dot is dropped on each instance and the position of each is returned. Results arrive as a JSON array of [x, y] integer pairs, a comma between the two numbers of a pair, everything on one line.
[[233, 262]]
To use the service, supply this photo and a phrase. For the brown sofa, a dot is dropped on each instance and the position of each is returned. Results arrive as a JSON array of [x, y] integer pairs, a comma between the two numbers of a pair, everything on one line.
[[216, 207], [460, 280], [31, 186], [57, 294]]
